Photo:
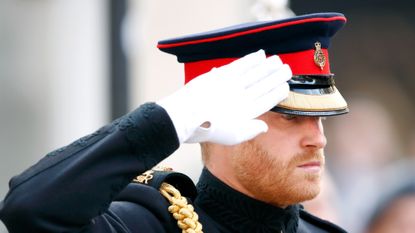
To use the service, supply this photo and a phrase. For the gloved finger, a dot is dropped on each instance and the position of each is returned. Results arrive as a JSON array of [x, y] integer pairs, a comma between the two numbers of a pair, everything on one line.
[[261, 71], [236, 132], [242, 65], [267, 101], [201, 134], [268, 83]]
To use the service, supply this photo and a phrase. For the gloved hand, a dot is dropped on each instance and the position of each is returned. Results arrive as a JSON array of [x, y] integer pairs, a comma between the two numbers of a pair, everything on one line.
[[221, 105]]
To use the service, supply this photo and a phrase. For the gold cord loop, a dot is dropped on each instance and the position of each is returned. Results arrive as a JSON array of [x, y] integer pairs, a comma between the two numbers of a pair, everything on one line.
[[184, 213]]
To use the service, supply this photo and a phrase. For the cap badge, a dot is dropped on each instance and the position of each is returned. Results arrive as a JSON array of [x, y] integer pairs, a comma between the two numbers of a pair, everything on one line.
[[319, 58]]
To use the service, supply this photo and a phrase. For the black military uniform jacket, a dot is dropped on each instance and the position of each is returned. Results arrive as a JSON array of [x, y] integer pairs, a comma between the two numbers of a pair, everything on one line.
[[86, 187]]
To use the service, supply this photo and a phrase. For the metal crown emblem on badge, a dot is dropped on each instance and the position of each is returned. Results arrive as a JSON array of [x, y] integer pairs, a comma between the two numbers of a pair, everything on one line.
[[319, 58]]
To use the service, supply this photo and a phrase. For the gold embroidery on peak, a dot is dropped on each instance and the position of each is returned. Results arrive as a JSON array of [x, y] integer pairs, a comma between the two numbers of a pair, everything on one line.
[[319, 58]]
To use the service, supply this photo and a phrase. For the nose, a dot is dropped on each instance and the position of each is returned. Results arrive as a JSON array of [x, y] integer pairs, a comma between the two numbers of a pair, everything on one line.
[[313, 136]]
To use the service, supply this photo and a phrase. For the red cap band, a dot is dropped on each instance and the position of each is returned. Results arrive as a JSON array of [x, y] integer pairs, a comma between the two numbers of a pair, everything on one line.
[[301, 63]]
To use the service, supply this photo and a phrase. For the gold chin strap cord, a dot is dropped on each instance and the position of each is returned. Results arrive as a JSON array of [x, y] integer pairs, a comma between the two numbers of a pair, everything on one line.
[[184, 213]]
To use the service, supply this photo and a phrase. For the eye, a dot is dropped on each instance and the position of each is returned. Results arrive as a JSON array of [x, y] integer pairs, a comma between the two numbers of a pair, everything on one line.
[[289, 117]]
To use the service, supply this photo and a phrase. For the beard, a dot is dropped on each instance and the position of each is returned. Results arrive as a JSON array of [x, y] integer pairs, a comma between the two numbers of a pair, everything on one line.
[[272, 179]]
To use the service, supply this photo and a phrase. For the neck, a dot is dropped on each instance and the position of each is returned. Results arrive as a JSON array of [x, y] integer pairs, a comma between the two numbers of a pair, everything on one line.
[[227, 205], [222, 173]]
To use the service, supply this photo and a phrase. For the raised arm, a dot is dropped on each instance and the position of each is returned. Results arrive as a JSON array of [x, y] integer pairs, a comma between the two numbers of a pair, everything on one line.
[[71, 186]]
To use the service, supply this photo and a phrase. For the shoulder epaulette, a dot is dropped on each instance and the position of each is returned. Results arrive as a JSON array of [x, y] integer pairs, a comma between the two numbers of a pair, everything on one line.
[[169, 183]]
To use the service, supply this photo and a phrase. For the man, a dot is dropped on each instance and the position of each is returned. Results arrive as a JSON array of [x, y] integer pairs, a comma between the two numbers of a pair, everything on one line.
[[259, 123]]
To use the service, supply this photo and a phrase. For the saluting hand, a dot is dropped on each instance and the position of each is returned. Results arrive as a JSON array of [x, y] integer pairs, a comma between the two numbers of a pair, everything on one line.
[[221, 105]]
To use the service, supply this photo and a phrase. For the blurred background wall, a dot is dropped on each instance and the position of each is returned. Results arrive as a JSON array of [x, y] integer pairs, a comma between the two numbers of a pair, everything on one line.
[[69, 67], [53, 71]]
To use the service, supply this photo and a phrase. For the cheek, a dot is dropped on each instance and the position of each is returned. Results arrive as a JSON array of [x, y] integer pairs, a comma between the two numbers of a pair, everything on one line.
[[276, 143]]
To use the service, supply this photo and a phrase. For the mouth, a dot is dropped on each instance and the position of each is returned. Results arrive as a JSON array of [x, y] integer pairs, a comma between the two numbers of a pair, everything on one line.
[[313, 166]]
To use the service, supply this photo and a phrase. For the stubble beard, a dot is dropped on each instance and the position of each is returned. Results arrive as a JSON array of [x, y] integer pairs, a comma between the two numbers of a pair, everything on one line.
[[273, 181]]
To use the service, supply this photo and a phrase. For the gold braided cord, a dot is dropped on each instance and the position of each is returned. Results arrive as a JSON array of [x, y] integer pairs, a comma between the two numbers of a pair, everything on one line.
[[184, 213]]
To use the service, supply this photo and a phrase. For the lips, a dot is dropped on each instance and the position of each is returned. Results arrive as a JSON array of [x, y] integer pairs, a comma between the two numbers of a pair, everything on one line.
[[311, 164], [313, 167]]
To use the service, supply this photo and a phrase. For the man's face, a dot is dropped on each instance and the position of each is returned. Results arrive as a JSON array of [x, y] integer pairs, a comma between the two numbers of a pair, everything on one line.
[[284, 165]]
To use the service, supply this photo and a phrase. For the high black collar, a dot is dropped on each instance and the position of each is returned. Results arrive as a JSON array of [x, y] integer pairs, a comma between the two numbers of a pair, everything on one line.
[[240, 213]]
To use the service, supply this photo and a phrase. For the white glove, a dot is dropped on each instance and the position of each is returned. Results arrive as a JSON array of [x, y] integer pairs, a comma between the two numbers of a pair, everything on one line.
[[221, 105]]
